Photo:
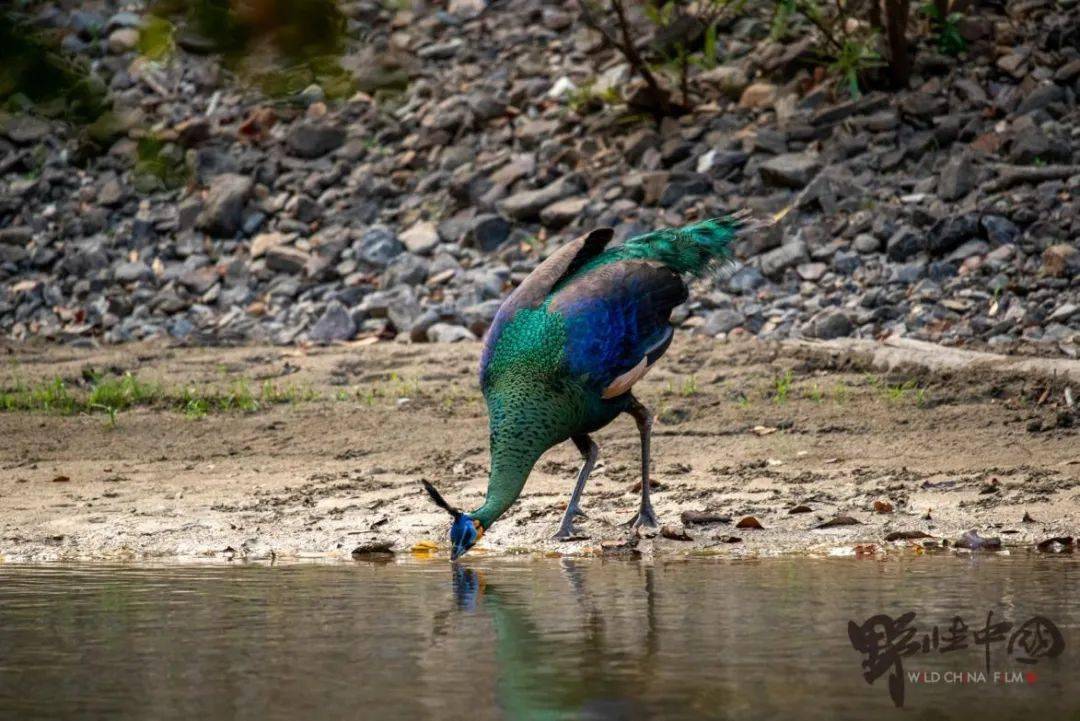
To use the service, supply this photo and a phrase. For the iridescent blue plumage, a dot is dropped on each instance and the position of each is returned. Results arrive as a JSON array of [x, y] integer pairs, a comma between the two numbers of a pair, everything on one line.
[[567, 346]]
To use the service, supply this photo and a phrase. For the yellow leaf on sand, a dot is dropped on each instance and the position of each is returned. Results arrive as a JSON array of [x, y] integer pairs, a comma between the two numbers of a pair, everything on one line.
[[425, 547]]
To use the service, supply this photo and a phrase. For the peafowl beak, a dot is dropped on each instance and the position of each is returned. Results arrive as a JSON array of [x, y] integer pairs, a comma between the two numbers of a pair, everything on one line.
[[464, 533], [465, 530]]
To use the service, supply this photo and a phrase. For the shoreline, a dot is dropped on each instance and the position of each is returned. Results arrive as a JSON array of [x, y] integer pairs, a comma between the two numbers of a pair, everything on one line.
[[743, 429]]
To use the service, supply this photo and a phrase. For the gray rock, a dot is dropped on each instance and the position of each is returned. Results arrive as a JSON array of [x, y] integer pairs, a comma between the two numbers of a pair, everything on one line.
[[957, 178], [447, 333], [480, 315], [907, 273], [829, 324], [307, 210], [811, 271], [527, 204], [488, 232], [223, 213], [123, 19], [378, 246], [421, 238], [722, 321], [563, 211], [441, 51], [1063, 312], [950, 233], [111, 193], [999, 230], [403, 309], [130, 272], [312, 140], [1041, 97], [209, 162], [13, 254], [406, 269], [903, 244], [968, 249], [846, 262], [122, 40], [335, 324], [687, 185], [1034, 146], [82, 257], [744, 280], [16, 235], [866, 243], [199, 280], [286, 259], [792, 170], [26, 129], [775, 262]]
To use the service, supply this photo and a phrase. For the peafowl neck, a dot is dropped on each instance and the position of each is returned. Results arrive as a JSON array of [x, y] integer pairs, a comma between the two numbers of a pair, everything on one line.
[[526, 420], [509, 472]]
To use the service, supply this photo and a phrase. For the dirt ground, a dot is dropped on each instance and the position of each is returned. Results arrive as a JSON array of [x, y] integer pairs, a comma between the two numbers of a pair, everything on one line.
[[736, 436]]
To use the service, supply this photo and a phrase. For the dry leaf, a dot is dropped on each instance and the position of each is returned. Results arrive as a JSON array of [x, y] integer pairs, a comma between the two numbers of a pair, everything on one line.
[[906, 535], [882, 507], [839, 521], [702, 518], [675, 534], [423, 548]]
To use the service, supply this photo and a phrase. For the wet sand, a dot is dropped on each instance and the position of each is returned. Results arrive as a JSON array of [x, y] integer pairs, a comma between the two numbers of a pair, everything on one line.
[[736, 436]]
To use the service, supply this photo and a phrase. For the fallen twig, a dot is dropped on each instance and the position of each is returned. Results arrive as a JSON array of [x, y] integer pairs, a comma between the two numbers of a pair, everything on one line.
[[1011, 175]]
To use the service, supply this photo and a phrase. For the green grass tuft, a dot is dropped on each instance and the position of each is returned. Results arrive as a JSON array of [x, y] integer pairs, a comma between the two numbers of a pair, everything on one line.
[[782, 387]]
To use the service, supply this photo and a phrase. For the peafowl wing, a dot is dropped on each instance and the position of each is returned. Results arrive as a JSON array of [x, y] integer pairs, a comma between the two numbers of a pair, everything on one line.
[[617, 321], [561, 264]]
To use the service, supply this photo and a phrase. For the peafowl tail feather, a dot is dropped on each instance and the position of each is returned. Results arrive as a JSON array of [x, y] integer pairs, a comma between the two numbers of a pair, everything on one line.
[[691, 249]]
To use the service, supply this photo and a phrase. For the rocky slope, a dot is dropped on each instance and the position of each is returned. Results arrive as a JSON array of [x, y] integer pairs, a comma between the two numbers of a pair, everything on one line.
[[948, 212]]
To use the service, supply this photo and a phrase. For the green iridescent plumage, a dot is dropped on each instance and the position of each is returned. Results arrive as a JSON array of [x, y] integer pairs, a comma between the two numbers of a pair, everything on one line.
[[545, 365], [690, 250]]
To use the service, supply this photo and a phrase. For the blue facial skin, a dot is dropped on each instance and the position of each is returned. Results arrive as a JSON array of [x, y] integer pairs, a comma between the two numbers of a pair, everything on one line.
[[463, 535]]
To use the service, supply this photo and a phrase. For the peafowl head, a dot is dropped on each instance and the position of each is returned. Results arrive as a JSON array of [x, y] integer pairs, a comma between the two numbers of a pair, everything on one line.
[[465, 530]]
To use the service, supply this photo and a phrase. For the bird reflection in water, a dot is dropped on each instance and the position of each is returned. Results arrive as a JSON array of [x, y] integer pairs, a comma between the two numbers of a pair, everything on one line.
[[554, 674]]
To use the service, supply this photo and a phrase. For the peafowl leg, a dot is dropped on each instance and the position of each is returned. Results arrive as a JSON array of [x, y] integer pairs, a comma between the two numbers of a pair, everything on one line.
[[646, 516], [589, 452]]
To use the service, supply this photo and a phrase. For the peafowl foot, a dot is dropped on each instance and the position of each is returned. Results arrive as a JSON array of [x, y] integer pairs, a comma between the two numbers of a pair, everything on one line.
[[567, 530], [645, 518]]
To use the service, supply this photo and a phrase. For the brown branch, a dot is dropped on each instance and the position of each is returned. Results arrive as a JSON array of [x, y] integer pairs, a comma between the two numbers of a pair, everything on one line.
[[629, 51], [821, 26], [636, 61], [897, 13]]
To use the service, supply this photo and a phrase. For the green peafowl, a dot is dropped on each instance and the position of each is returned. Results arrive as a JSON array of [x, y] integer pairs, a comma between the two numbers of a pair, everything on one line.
[[565, 349]]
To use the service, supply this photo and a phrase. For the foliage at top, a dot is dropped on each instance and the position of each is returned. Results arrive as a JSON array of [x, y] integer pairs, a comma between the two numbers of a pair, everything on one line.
[[284, 45], [35, 72], [864, 44]]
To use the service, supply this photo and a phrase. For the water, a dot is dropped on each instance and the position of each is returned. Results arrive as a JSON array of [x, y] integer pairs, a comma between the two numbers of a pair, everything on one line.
[[530, 640]]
